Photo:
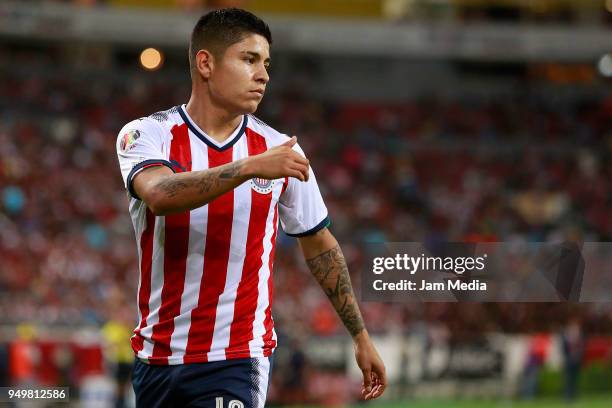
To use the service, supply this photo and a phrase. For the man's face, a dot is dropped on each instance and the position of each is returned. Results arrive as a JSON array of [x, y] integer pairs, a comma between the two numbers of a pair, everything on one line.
[[239, 78]]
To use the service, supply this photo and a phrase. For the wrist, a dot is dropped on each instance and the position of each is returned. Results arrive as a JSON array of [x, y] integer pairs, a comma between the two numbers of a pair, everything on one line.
[[361, 337], [249, 168]]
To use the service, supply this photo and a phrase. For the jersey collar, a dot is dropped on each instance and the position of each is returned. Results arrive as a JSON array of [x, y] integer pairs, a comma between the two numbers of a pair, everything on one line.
[[212, 143]]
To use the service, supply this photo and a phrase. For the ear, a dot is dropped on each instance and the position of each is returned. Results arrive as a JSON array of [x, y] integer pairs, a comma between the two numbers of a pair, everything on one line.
[[204, 63]]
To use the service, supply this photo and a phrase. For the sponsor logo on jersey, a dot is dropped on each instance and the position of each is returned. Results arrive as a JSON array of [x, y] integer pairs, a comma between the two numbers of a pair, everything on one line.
[[128, 140], [262, 186]]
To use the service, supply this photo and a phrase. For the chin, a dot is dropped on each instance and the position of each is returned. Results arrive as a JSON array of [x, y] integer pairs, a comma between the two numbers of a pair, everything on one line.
[[250, 107]]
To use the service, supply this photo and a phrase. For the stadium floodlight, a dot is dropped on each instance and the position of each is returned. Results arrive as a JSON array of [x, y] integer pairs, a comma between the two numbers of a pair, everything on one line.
[[605, 65], [151, 59]]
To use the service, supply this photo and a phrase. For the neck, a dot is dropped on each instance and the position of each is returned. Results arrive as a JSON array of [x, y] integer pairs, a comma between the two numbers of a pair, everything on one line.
[[217, 122]]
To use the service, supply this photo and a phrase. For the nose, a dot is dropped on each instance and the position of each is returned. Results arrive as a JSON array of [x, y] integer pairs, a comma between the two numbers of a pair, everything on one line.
[[262, 75]]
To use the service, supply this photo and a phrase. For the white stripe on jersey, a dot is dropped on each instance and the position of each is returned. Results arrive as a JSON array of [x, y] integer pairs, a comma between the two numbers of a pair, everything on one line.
[[135, 214], [157, 284]]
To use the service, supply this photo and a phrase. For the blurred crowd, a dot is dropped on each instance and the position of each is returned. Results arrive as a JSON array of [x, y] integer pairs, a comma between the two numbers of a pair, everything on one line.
[[530, 166], [524, 167]]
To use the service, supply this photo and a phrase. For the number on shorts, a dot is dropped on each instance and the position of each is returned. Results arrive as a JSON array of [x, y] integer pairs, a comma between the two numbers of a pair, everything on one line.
[[232, 403]]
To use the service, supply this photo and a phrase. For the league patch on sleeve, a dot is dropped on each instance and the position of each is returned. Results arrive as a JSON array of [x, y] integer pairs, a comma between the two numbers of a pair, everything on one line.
[[128, 140]]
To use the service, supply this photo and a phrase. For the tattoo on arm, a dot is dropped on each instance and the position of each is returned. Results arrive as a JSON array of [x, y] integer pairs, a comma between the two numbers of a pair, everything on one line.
[[232, 171], [330, 270], [172, 187], [203, 183]]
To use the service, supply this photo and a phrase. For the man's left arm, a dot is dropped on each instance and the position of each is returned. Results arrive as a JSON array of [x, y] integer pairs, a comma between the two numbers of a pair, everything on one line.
[[327, 264]]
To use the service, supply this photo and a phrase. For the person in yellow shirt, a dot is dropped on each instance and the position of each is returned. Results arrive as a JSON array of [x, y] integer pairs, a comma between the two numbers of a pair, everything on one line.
[[117, 332]]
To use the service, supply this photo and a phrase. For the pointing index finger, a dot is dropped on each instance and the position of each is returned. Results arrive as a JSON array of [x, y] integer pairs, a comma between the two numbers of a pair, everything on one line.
[[291, 142]]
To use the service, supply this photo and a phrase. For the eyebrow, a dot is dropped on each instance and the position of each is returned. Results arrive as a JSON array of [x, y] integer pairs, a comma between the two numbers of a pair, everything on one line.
[[256, 55]]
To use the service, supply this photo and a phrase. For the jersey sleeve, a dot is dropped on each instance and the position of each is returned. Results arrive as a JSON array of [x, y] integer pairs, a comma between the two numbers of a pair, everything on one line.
[[140, 144], [301, 208]]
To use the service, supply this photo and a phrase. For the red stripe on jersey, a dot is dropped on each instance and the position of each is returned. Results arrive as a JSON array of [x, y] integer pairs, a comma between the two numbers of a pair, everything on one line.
[[216, 257], [146, 260], [241, 331], [176, 245], [269, 343]]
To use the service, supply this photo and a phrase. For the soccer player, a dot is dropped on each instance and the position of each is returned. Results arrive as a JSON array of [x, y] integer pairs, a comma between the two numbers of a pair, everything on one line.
[[208, 183]]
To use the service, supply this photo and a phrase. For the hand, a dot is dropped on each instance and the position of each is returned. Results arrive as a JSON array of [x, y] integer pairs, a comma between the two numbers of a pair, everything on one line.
[[279, 162], [372, 367]]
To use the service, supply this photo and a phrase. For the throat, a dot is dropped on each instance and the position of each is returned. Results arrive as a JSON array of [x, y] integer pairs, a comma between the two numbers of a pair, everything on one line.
[[223, 132], [215, 125]]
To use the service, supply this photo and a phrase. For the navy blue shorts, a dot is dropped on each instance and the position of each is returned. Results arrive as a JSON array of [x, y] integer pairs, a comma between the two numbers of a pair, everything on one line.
[[240, 383]]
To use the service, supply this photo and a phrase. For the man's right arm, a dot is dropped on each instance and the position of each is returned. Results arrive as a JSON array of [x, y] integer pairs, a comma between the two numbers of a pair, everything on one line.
[[166, 192]]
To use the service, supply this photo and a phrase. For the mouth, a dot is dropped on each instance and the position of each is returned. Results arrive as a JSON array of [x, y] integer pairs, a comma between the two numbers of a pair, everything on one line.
[[259, 92]]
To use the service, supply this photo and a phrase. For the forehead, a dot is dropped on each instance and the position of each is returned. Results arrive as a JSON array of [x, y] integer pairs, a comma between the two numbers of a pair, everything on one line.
[[252, 43]]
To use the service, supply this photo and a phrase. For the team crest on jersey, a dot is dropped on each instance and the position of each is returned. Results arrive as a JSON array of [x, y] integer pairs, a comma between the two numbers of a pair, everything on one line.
[[128, 140], [262, 186]]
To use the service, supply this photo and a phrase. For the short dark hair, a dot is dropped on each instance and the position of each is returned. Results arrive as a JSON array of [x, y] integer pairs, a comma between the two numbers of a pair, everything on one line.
[[217, 30]]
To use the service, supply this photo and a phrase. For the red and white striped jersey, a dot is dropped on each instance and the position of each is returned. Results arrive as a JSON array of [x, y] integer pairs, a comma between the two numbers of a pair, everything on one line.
[[205, 289]]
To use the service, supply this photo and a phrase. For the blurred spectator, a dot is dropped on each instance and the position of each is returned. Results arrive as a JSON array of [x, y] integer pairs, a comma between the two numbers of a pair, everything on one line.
[[117, 332], [539, 346], [24, 357], [573, 343]]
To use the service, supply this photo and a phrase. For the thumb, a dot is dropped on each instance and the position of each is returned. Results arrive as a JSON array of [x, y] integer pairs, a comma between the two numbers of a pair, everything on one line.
[[291, 142]]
